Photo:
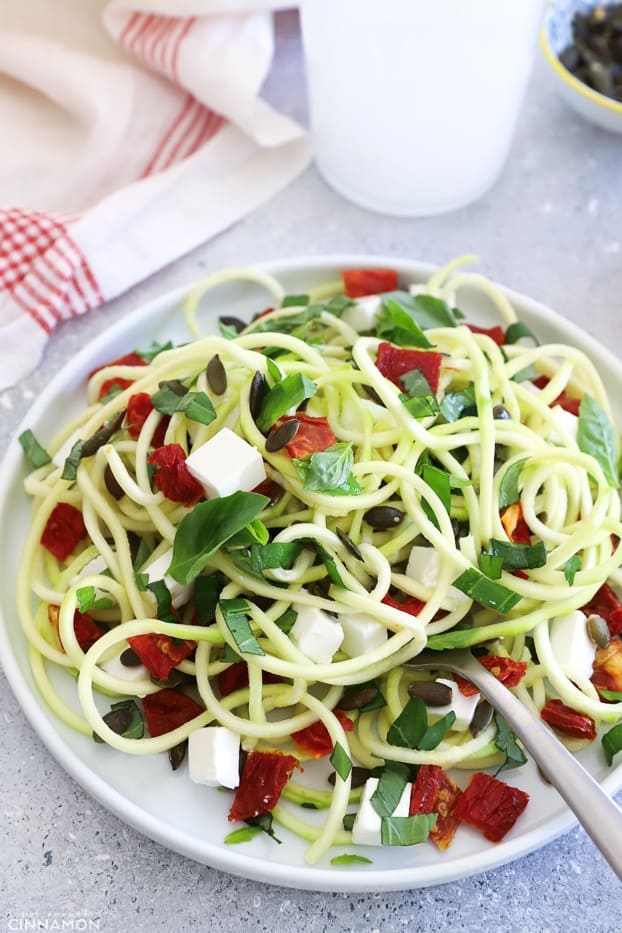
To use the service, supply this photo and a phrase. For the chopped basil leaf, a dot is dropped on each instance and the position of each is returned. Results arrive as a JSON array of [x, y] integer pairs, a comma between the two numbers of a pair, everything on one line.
[[518, 556], [328, 560], [205, 597], [612, 742], [410, 726], [419, 400], [164, 608], [458, 404], [295, 301], [196, 406], [596, 436], [235, 616], [340, 760], [395, 324], [348, 859], [506, 742], [348, 821], [87, 599], [244, 834], [570, 568], [435, 734], [439, 481], [274, 555], [142, 553], [70, 469], [517, 331], [207, 528], [406, 830], [229, 656], [36, 454], [136, 726], [142, 581], [426, 310], [254, 533], [614, 695], [289, 393], [290, 323], [390, 788], [264, 822], [287, 621], [508, 490], [486, 592], [490, 566], [338, 304], [528, 374], [114, 390], [330, 471], [229, 332], [273, 371], [154, 350]]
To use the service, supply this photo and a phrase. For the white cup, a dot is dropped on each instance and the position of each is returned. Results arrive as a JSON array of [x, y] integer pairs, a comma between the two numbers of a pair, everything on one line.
[[413, 104]]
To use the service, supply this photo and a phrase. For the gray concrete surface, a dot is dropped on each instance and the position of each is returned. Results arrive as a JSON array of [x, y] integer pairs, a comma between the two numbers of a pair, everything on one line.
[[551, 228]]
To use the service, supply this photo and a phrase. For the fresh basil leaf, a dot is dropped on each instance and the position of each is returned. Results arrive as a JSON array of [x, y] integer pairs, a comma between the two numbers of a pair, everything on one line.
[[254, 533], [406, 830], [164, 607], [204, 530], [35, 453], [426, 310], [290, 323], [348, 859], [154, 350], [136, 726], [289, 393], [287, 621], [338, 305], [168, 396], [508, 490], [612, 743], [114, 390], [596, 436], [570, 568], [518, 331], [229, 656], [435, 734], [395, 324], [528, 374], [328, 560], [295, 301], [235, 617], [142, 553], [410, 726], [275, 555], [506, 742], [197, 406], [348, 821], [459, 404], [613, 695], [142, 581], [206, 594], [70, 469], [330, 471], [439, 481], [490, 566], [486, 592], [245, 834], [390, 788], [229, 332], [419, 399], [273, 371], [264, 822], [340, 760], [518, 556], [87, 599]]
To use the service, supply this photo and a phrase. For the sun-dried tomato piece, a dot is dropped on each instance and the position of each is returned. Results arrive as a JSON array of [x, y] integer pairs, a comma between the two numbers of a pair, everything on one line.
[[359, 282], [433, 791], [63, 530], [313, 435], [87, 631], [506, 670], [168, 709], [172, 476], [409, 604], [159, 653], [315, 740], [393, 362], [466, 688], [608, 667], [605, 603], [567, 402], [235, 677], [264, 776], [490, 805], [129, 359], [496, 333], [516, 527], [568, 721], [273, 490], [139, 408]]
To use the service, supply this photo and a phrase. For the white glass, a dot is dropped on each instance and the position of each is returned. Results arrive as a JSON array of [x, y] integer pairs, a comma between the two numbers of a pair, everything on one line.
[[414, 102]]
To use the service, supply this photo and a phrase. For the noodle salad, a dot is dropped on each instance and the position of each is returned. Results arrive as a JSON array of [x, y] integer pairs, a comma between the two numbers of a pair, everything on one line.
[[239, 545]]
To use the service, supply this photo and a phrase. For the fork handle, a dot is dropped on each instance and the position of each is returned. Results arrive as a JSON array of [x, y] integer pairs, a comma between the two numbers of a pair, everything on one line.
[[600, 815]]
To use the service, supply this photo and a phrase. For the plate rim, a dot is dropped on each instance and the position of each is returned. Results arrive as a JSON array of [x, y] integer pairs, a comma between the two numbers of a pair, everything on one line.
[[233, 861]]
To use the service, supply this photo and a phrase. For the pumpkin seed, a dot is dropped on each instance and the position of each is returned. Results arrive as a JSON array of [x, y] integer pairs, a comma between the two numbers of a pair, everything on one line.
[[282, 435], [118, 720], [349, 544], [354, 699], [256, 394], [382, 517], [234, 322], [372, 394], [358, 776], [177, 754], [431, 692], [101, 437], [129, 658], [112, 484], [500, 413], [598, 630], [216, 375], [174, 679], [482, 717]]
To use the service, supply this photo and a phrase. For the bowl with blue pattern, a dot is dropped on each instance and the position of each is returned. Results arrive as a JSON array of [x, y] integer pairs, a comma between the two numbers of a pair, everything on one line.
[[556, 37]]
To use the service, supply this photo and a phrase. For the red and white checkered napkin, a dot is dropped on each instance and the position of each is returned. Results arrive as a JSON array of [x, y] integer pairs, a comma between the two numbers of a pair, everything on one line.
[[132, 131]]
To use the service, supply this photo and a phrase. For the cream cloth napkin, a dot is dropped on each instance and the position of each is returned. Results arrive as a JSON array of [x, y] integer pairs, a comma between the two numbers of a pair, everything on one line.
[[130, 132]]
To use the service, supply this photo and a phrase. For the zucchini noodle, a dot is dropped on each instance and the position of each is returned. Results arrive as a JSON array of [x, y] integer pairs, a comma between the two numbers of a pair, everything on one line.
[[440, 480]]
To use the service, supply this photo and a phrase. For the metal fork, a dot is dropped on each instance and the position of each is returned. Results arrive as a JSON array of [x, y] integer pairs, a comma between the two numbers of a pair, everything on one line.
[[600, 815]]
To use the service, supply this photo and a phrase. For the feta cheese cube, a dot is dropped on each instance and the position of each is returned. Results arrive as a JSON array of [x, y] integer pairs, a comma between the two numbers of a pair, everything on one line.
[[225, 464], [572, 646], [95, 566], [214, 757], [316, 634], [180, 593], [424, 566], [362, 315], [361, 634], [568, 422], [116, 668], [366, 829], [463, 707]]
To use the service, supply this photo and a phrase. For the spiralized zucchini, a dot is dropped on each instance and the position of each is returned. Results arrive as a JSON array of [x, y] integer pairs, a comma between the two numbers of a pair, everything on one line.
[[567, 500]]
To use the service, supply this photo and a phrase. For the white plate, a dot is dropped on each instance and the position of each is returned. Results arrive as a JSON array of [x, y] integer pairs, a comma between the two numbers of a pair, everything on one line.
[[144, 792]]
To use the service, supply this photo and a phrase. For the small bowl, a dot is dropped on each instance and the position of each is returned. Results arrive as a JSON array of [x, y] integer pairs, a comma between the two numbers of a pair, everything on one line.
[[556, 35]]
